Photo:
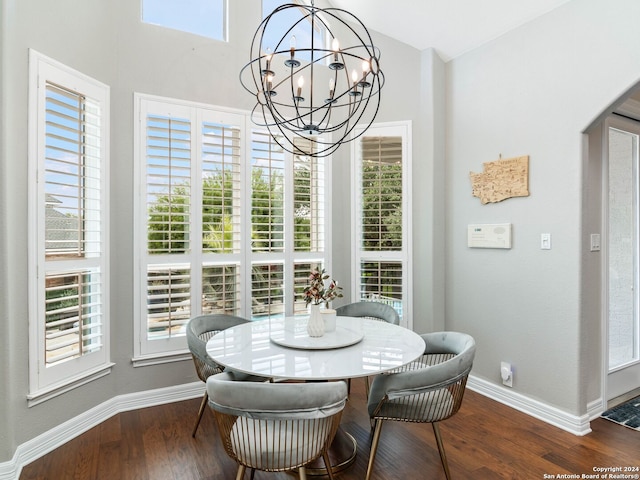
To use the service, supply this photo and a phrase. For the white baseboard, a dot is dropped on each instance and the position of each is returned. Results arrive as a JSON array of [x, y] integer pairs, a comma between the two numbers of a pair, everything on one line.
[[57, 436], [578, 425]]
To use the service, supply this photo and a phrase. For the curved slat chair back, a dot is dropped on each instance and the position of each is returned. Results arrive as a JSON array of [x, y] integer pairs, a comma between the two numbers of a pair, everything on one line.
[[373, 310], [430, 390], [276, 427], [199, 330]]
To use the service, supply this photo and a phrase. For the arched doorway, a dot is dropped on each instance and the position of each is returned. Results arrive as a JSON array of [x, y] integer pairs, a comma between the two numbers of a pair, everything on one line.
[[621, 250]]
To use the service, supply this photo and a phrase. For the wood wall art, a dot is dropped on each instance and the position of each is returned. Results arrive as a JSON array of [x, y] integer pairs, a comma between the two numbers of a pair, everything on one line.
[[501, 179]]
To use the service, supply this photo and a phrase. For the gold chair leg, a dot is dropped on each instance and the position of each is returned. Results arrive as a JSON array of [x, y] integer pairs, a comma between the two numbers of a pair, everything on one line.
[[302, 473], [327, 464], [240, 474], [203, 405], [443, 456], [374, 446]]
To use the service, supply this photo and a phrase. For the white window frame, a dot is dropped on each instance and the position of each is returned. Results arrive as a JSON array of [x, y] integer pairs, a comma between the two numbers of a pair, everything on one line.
[[403, 130], [148, 351], [48, 381]]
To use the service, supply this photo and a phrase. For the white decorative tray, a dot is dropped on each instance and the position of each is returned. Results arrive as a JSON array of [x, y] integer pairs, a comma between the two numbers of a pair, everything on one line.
[[299, 338]]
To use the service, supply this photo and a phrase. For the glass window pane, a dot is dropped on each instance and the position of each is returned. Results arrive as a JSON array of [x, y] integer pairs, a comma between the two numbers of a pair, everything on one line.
[[267, 290], [201, 17], [220, 188], [168, 300], [381, 193], [277, 35], [267, 197], [73, 315], [72, 175], [168, 184], [382, 282], [221, 289], [308, 184], [623, 247]]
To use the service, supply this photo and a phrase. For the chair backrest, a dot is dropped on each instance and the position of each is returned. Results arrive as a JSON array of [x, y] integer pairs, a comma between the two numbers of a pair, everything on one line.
[[373, 310], [275, 426], [199, 330], [431, 393]]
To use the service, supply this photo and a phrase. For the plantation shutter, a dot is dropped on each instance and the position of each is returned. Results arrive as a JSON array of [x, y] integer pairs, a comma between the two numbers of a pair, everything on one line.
[[221, 217], [267, 225], [309, 200], [381, 258], [168, 203], [73, 225]]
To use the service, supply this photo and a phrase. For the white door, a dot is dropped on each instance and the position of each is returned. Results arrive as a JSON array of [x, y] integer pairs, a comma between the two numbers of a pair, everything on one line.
[[623, 256]]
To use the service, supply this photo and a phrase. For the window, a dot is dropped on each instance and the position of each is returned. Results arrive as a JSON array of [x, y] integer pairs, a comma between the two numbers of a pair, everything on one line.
[[207, 18], [382, 270], [69, 118], [278, 36], [228, 221]]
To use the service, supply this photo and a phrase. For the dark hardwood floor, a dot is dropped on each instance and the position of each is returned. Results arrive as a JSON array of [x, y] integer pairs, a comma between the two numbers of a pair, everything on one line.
[[485, 440]]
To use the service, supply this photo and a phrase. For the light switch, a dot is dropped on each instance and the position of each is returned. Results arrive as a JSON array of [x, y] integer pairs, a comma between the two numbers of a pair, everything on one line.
[[545, 241], [595, 242]]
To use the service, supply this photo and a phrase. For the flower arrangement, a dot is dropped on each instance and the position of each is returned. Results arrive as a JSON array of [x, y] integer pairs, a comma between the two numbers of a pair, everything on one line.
[[316, 292]]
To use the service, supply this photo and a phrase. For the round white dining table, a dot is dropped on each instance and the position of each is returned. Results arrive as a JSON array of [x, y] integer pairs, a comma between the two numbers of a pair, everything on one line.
[[281, 348]]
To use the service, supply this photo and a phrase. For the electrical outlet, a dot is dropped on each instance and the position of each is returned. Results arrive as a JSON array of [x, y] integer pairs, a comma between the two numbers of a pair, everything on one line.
[[506, 372]]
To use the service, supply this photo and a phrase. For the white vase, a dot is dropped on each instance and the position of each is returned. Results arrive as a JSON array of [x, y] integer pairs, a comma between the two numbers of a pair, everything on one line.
[[329, 319], [315, 325]]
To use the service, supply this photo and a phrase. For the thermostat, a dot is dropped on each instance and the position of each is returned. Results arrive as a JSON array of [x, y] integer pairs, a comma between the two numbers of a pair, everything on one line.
[[496, 235]]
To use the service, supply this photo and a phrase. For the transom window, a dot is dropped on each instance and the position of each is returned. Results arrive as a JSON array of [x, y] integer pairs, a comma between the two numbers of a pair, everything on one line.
[[207, 18]]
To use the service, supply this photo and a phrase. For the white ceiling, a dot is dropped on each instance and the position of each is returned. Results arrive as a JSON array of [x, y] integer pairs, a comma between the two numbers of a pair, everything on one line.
[[451, 27]]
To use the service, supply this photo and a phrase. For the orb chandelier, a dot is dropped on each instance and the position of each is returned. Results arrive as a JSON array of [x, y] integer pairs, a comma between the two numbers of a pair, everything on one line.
[[311, 89]]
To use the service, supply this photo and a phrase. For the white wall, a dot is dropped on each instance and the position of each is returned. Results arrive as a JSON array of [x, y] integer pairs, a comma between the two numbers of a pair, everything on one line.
[[533, 92]]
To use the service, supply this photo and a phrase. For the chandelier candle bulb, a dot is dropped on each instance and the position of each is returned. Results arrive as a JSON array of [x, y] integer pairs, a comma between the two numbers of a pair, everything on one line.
[[300, 85], [365, 70], [267, 57], [335, 46], [292, 62], [336, 64]]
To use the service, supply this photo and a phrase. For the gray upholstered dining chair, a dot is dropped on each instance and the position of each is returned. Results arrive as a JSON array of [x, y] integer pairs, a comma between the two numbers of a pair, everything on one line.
[[199, 330], [373, 311], [430, 391], [276, 427]]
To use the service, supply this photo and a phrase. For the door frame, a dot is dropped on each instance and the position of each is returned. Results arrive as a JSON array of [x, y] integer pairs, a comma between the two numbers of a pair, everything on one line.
[[627, 372]]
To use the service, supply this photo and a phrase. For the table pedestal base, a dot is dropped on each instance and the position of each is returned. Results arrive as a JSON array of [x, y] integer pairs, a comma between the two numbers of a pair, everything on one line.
[[342, 453]]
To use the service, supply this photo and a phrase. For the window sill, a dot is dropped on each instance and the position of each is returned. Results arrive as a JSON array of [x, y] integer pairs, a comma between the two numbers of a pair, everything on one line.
[[48, 393], [160, 358]]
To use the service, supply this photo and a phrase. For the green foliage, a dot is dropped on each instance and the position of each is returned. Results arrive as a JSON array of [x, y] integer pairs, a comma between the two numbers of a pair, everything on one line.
[[382, 206]]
